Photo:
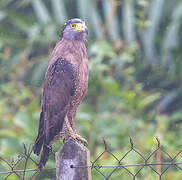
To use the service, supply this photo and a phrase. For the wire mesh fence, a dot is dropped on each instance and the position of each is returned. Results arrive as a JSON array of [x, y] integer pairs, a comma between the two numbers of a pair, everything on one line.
[[159, 167], [163, 161], [22, 159]]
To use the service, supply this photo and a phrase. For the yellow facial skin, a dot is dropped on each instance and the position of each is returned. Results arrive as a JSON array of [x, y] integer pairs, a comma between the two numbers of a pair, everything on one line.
[[77, 26]]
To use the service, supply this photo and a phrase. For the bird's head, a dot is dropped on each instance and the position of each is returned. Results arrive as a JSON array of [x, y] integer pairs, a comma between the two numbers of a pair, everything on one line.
[[74, 29]]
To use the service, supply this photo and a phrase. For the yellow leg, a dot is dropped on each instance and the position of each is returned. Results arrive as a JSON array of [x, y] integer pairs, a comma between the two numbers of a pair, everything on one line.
[[72, 133]]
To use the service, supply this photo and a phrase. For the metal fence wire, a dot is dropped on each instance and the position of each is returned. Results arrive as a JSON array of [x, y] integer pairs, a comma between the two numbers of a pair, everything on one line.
[[159, 167]]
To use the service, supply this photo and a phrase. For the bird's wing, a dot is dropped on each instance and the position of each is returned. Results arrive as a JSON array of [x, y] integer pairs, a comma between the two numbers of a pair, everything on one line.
[[57, 91]]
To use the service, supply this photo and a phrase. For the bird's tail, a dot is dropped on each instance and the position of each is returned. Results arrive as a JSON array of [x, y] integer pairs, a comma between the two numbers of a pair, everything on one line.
[[45, 139], [38, 144], [47, 143], [40, 137], [44, 156], [41, 143], [45, 152]]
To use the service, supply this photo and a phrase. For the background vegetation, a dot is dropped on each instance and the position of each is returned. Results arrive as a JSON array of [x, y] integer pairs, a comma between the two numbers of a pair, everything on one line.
[[135, 84]]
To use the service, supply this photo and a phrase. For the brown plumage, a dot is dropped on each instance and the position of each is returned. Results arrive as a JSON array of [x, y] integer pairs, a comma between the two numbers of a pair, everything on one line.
[[64, 87]]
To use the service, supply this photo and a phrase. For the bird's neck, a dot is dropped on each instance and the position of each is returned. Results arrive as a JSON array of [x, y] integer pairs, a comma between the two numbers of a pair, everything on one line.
[[69, 49], [73, 36]]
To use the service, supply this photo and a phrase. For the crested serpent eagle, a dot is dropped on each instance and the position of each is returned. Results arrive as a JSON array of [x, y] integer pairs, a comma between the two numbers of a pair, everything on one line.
[[65, 84]]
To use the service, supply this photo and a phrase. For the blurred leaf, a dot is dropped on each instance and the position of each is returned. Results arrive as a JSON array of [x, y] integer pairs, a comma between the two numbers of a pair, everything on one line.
[[109, 7], [41, 11], [7, 133], [155, 14], [150, 99], [20, 21], [128, 21], [102, 48], [59, 11]]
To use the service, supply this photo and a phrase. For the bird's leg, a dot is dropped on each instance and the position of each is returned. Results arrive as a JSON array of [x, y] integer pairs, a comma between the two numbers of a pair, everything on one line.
[[73, 133]]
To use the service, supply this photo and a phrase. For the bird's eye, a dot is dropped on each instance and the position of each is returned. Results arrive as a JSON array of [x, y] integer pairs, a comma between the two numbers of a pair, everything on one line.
[[72, 26]]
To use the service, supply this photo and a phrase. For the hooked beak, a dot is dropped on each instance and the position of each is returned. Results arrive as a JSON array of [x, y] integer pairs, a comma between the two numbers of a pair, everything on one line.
[[81, 27]]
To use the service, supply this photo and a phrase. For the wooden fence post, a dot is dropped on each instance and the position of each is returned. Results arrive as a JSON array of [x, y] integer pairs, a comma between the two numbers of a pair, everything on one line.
[[73, 153]]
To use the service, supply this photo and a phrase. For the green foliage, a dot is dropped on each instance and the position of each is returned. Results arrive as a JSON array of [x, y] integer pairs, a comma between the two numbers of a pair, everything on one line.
[[135, 65]]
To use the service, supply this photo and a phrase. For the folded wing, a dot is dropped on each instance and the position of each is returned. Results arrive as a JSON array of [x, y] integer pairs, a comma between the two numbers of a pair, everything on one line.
[[58, 90]]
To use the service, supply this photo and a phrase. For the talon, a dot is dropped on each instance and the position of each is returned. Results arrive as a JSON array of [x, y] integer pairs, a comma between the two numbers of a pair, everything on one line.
[[78, 137], [73, 133]]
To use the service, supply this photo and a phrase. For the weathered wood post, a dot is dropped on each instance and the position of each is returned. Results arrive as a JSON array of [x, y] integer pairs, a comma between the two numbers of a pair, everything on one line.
[[73, 153]]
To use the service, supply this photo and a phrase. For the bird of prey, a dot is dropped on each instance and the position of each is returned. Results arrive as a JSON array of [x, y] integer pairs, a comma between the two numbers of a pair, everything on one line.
[[65, 84]]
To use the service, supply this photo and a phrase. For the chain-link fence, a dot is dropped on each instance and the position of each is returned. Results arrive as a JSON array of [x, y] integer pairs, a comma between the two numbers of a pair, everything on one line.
[[22, 159], [159, 167], [162, 161]]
